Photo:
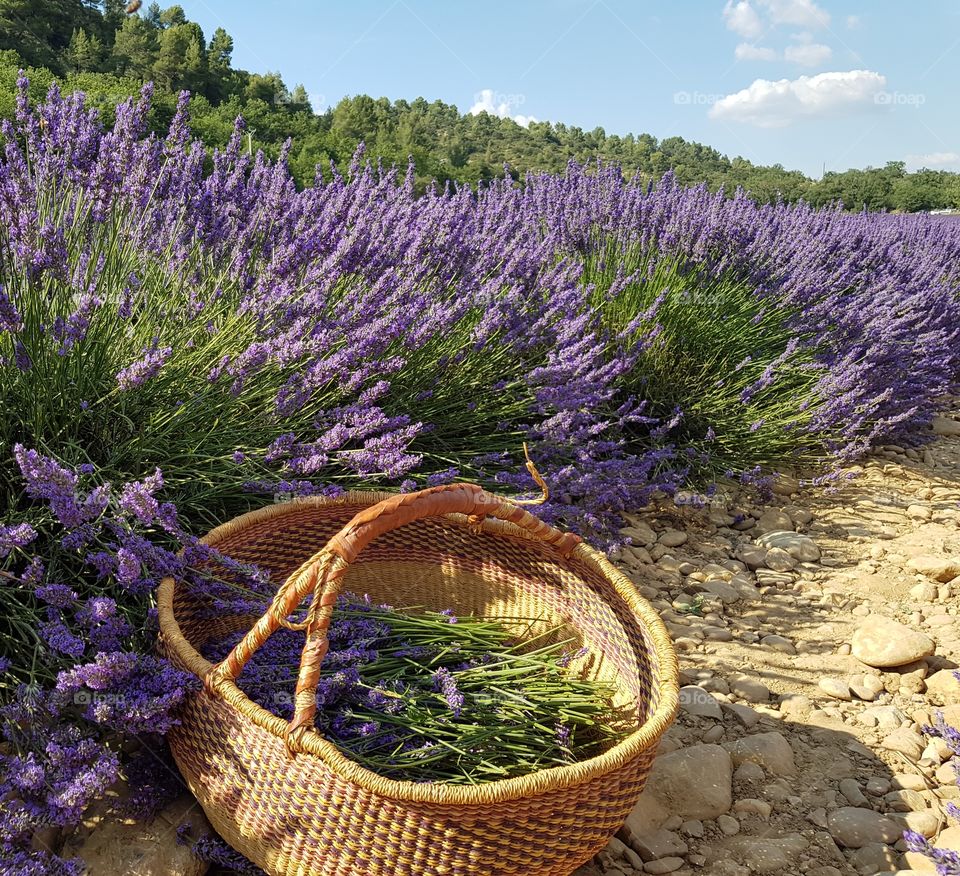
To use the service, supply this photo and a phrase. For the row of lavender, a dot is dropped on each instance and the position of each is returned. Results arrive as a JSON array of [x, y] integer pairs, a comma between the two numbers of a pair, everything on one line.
[[184, 335]]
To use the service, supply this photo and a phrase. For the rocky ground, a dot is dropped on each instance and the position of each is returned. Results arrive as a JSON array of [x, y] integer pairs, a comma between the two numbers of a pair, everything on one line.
[[816, 637]]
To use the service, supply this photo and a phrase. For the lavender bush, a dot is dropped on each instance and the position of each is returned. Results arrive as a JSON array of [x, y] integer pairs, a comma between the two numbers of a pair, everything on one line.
[[184, 335]]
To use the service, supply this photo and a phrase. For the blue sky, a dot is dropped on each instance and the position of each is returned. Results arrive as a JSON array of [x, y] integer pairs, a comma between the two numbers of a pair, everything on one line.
[[803, 83]]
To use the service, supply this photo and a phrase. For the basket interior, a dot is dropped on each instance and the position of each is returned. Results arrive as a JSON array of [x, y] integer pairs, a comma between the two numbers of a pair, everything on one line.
[[442, 563]]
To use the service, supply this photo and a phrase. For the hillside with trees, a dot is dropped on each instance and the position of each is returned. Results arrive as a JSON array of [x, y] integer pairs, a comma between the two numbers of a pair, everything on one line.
[[108, 52]]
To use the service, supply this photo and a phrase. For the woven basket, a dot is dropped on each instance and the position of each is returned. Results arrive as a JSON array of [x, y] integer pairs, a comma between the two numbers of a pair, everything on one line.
[[288, 799]]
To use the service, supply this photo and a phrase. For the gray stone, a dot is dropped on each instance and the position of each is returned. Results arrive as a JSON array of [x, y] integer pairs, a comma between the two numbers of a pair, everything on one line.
[[785, 484], [925, 591], [834, 687], [714, 734], [769, 750], [692, 828], [749, 773], [880, 641], [908, 742], [884, 717], [923, 821], [854, 828], [800, 547], [692, 782], [639, 533], [946, 773], [774, 521], [938, 568], [865, 687], [728, 825], [749, 689], [877, 786], [696, 701], [744, 714], [851, 790], [778, 643], [673, 538], [945, 426], [905, 800], [752, 806], [779, 560], [751, 556], [619, 849], [769, 855], [663, 865], [875, 858], [945, 685], [727, 593]]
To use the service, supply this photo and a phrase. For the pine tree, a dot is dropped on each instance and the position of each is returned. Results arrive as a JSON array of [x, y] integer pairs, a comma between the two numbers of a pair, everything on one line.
[[85, 53], [173, 16], [135, 48], [181, 61], [300, 100], [220, 52], [153, 15]]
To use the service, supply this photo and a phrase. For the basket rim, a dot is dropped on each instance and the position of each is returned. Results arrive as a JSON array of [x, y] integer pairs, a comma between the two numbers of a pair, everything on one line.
[[531, 784]]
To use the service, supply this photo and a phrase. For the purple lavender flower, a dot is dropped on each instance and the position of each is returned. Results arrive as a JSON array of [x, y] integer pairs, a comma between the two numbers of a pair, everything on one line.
[[18, 536], [445, 683], [10, 319], [131, 693], [137, 498], [59, 637], [128, 566], [946, 862], [46, 479], [139, 372], [58, 595]]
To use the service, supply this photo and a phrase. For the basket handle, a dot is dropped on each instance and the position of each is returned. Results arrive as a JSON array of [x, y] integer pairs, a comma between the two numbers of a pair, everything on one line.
[[323, 575]]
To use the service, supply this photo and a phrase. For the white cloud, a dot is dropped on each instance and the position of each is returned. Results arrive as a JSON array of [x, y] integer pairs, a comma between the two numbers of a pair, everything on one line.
[[807, 53], [798, 13], [751, 19], [853, 22], [934, 159], [750, 52], [775, 104], [487, 101], [742, 18]]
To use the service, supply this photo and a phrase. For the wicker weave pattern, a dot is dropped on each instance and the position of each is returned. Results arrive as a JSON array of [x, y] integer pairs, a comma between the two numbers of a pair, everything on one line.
[[318, 812]]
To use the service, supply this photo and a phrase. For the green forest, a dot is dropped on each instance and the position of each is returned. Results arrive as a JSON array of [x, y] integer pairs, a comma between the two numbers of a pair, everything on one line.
[[109, 49]]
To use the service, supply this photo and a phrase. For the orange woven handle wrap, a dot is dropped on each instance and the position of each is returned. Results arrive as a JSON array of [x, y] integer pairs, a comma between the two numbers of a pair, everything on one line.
[[323, 575]]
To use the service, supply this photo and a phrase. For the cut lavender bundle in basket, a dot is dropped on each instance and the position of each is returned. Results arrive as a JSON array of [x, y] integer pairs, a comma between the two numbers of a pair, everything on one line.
[[428, 696]]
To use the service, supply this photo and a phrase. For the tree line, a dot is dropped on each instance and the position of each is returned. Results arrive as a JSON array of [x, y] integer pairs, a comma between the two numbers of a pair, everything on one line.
[[101, 48]]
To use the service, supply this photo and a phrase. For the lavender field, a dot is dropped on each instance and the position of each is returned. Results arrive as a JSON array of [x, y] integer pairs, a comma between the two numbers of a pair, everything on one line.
[[184, 335]]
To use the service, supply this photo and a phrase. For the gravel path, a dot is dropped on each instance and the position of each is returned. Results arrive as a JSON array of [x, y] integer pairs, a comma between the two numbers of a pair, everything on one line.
[[816, 636]]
